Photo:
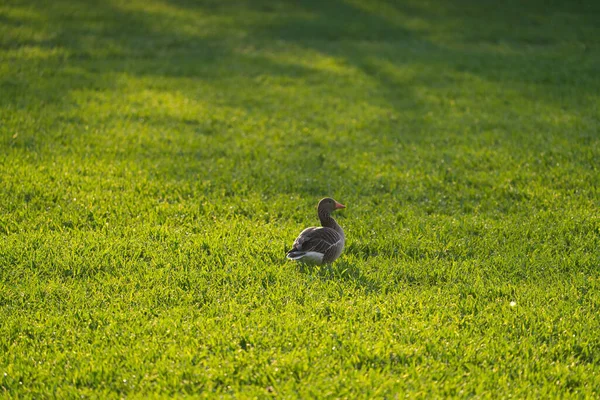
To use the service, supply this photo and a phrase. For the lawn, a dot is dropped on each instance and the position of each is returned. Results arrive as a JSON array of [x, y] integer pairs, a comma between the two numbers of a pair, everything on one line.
[[158, 157]]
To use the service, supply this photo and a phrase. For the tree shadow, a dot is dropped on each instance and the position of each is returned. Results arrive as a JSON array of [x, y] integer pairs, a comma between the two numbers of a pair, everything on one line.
[[495, 41], [396, 45], [113, 37], [87, 45]]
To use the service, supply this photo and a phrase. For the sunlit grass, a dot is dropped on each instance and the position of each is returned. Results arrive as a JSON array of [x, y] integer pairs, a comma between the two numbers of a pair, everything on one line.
[[159, 157]]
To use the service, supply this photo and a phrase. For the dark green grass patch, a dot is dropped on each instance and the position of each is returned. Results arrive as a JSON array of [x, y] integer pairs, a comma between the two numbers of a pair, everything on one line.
[[157, 158]]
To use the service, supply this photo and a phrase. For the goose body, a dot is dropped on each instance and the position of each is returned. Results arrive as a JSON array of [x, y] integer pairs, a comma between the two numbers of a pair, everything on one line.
[[320, 245]]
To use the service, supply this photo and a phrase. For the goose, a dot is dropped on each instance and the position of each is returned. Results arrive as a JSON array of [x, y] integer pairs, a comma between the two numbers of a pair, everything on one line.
[[323, 244]]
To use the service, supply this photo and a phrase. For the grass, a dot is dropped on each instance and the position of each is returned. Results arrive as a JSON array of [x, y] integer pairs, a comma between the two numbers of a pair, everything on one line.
[[158, 157]]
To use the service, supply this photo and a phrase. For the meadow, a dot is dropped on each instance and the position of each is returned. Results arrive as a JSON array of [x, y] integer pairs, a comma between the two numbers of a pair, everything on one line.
[[158, 157]]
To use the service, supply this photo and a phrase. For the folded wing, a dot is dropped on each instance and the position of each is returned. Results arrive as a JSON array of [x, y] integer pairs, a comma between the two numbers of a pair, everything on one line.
[[316, 244]]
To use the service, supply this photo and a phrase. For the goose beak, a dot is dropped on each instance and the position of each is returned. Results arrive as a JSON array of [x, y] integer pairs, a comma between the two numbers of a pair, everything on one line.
[[338, 205]]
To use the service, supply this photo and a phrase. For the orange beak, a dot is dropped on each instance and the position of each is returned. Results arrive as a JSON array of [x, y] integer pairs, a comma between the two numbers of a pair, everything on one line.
[[338, 205]]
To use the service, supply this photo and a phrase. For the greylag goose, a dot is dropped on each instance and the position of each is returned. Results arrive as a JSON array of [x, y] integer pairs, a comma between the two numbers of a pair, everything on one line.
[[320, 245]]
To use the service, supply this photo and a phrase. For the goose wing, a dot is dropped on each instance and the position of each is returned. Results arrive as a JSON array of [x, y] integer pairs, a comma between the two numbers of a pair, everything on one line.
[[317, 239]]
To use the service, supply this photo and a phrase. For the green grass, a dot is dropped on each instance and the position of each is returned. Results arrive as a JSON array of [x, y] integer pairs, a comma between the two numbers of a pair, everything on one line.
[[158, 157]]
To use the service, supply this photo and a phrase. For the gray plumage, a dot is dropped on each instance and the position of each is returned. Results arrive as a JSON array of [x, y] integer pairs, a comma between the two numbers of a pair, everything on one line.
[[320, 245]]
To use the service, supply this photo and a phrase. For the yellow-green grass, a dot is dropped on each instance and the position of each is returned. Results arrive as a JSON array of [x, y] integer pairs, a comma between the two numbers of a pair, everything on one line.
[[158, 157]]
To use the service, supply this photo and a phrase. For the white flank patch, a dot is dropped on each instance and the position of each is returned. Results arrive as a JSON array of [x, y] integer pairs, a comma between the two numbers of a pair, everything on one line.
[[311, 257]]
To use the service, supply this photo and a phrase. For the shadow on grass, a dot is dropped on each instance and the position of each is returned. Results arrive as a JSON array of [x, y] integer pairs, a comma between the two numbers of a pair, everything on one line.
[[156, 40], [341, 271], [199, 42]]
